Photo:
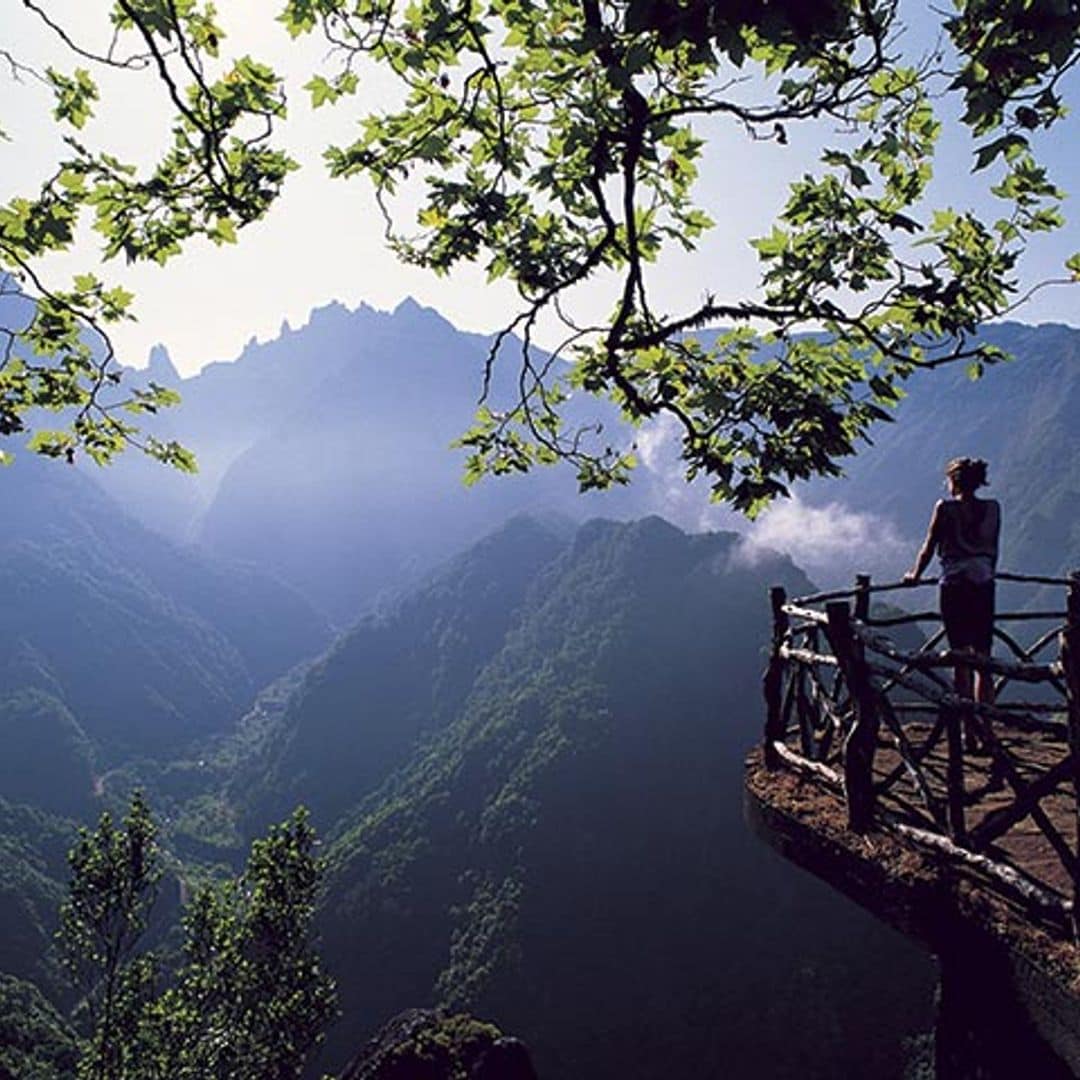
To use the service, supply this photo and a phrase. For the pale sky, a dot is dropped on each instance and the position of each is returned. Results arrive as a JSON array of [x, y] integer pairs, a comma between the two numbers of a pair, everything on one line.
[[323, 240]]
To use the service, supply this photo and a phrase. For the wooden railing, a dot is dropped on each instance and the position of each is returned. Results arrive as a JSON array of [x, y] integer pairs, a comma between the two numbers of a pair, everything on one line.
[[883, 726]]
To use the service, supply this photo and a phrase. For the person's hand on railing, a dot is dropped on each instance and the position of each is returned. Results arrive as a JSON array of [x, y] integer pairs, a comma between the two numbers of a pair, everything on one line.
[[912, 577]]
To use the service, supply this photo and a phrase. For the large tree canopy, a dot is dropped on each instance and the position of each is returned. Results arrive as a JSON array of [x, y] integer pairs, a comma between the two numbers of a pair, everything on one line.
[[558, 145]]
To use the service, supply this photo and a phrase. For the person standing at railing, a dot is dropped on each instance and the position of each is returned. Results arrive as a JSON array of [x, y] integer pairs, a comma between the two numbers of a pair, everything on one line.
[[964, 532]]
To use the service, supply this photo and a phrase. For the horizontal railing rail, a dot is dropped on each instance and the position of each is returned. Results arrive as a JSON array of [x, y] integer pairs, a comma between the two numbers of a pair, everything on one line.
[[992, 787]]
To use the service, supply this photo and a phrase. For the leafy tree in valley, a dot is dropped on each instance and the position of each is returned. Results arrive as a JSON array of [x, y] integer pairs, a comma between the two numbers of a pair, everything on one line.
[[249, 998], [558, 144], [115, 875]]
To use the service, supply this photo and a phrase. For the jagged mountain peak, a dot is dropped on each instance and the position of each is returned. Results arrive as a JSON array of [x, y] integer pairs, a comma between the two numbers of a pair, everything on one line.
[[413, 313], [160, 367]]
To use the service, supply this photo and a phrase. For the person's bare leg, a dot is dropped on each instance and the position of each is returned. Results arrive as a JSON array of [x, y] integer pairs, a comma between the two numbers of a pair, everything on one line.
[[984, 694], [965, 684]]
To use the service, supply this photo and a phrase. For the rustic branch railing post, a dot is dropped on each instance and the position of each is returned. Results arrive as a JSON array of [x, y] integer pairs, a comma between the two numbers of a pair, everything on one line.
[[953, 717], [862, 597], [1069, 642], [805, 713], [774, 677], [861, 740]]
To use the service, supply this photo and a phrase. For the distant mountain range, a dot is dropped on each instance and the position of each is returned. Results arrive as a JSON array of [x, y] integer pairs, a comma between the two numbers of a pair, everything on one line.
[[325, 456]]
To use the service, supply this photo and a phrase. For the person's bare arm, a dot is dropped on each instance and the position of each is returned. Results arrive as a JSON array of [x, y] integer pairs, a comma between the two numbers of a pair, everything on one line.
[[997, 534], [926, 552]]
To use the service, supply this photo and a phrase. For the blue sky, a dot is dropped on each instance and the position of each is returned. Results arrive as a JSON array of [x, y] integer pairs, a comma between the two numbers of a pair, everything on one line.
[[324, 239]]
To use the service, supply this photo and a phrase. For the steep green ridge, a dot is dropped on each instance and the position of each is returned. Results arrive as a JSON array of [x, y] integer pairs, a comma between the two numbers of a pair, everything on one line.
[[47, 759], [567, 855], [35, 1041], [396, 676]]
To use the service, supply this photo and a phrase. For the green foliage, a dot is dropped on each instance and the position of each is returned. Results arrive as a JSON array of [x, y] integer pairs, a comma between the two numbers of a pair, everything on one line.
[[33, 868], [248, 1001], [432, 1045], [558, 144], [218, 172], [1015, 54], [211, 820], [115, 874]]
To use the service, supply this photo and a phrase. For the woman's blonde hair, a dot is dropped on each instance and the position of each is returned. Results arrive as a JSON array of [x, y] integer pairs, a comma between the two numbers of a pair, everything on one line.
[[968, 473]]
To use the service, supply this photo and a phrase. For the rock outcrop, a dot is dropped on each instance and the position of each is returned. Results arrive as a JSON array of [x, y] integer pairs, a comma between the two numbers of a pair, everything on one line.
[[426, 1044]]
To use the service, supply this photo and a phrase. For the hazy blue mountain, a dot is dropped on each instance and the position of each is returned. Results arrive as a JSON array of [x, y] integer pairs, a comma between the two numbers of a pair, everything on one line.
[[47, 759], [326, 462], [325, 455], [144, 643], [562, 850], [359, 491]]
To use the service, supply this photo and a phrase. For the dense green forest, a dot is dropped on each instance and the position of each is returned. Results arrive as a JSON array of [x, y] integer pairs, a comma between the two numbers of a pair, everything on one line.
[[567, 855], [523, 766]]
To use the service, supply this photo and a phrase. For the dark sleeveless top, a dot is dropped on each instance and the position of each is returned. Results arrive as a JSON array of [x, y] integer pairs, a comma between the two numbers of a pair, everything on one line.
[[967, 539]]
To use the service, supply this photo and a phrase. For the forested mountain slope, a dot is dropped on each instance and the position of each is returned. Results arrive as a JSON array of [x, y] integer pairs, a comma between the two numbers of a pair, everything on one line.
[[398, 676], [566, 854], [33, 870]]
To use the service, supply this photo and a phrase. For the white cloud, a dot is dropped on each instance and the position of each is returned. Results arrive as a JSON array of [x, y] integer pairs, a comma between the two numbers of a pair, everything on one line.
[[831, 542], [684, 504]]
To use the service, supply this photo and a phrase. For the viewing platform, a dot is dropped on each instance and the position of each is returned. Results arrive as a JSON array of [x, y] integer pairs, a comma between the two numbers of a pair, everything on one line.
[[954, 821]]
